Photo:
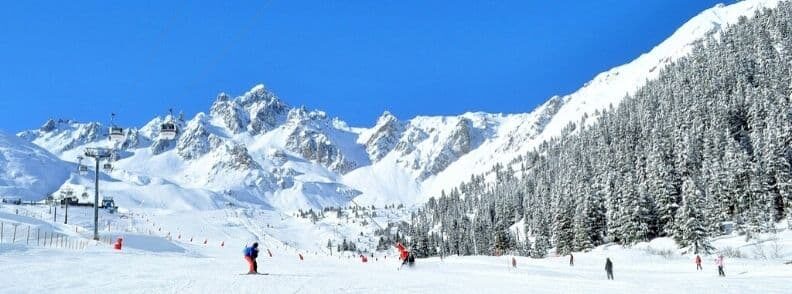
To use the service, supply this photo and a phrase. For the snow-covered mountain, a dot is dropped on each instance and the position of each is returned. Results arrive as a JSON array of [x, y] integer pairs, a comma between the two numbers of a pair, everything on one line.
[[255, 148], [27, 171], [439, 152]]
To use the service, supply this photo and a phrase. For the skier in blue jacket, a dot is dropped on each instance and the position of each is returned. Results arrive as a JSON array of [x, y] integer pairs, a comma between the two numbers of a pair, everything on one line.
[[251, 253]]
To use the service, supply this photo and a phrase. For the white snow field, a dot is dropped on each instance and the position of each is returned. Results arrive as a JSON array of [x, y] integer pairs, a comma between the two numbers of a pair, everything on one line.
[[155, 264]]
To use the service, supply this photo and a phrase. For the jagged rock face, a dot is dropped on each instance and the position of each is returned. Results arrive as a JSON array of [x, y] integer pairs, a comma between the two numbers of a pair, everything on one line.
[[278, 157], [457, 145], [196, 141], [317, 147], [49, 126], [548, 111], [265, 110], [238, 159], [266, 115], [385, 136], [411, 138], [69, 134], [460, 141], [301, 116], [258, 111], [233, 115]]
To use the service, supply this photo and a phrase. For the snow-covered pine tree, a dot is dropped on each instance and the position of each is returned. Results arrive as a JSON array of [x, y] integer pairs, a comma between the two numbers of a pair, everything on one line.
[[691, 227]]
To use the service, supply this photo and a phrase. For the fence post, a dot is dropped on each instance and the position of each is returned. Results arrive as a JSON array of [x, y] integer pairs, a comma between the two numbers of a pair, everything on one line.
[[27, 239], [51, 233], [2, 225], [13, 239], [37, 236]]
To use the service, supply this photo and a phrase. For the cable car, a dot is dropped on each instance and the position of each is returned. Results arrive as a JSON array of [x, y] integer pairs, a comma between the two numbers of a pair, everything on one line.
[[168, 131], [81, 168], [168, 128], [108, 167], [116, 133]]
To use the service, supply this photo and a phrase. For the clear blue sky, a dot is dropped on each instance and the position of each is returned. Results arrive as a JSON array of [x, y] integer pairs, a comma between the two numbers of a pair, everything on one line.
[[353, 59]]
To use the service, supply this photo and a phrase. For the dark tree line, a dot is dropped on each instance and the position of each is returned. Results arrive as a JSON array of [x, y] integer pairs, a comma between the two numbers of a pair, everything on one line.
[[704, 147]]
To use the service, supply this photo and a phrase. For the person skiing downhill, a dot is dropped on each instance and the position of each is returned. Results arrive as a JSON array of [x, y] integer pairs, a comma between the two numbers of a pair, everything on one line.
[[404, 254], [720, 262], [571, 260], [251, 253], [698, 263], [609, 268]]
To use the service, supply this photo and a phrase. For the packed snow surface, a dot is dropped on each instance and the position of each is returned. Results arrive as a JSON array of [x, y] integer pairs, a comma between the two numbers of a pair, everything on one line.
[[160, 264]]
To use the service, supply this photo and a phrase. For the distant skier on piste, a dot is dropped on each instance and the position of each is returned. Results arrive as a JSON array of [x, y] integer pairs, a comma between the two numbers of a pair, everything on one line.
[[251, 253], [609, 268], [404, 255], [720, 262], [698, 263]]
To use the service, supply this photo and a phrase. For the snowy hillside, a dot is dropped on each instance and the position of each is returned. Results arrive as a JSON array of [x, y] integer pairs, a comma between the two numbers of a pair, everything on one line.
[[611, 86], [28, 172], [416, 159]]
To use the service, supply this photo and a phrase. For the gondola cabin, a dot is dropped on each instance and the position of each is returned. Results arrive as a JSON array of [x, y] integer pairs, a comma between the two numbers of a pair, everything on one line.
[[168, 131], [117, 134]]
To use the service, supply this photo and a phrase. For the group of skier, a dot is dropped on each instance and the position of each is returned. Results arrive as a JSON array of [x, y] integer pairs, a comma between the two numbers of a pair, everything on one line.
[[719, 261], [251, 253]]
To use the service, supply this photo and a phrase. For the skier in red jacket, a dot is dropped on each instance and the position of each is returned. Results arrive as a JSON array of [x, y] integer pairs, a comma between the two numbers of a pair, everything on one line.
[[403, 253]]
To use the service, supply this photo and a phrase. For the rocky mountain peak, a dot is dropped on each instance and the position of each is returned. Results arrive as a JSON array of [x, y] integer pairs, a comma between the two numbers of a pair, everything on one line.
[[232, 115], [49, 126], [383, 137]]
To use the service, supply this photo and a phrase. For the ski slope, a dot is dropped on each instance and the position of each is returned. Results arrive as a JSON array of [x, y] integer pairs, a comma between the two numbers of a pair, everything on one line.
[[100, 270], [153, 261]]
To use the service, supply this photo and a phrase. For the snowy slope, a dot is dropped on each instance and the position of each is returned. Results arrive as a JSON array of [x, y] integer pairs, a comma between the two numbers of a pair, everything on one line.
[[28, 171], [608, 88], [157, 264]]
